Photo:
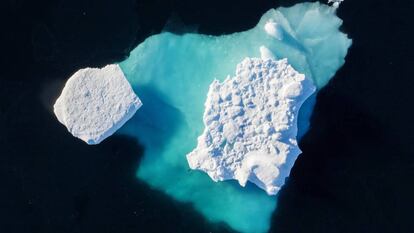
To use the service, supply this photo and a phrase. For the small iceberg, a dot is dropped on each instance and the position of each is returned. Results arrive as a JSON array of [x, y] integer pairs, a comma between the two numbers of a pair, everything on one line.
[[95, 103]]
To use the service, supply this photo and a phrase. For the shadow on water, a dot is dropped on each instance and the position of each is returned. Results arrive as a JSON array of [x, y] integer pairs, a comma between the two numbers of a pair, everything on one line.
[[156, 121]]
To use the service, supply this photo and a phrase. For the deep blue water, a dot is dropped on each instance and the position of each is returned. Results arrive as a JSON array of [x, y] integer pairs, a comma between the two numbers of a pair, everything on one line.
[[355, 173]]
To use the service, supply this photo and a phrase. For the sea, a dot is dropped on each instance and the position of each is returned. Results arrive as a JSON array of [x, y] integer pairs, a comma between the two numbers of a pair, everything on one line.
[[355, 173]]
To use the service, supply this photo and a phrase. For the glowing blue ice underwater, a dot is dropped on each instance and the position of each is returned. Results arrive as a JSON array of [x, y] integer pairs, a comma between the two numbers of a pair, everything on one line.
[[172, 73]]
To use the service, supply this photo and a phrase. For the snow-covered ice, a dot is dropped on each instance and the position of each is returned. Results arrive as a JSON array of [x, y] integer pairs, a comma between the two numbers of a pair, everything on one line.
[[250, 124], [96, 102]]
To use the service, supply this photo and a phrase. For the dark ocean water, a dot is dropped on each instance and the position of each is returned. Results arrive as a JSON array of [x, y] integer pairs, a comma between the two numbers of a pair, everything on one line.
[[357, 166]]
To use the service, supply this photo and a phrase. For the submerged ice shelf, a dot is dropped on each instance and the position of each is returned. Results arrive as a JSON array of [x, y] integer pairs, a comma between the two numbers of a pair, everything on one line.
[[172, 73], [250, 124], [95, 103]]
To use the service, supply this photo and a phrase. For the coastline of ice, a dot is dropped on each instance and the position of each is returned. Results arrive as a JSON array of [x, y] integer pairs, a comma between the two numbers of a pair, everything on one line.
[[251, 124], [95, 103]]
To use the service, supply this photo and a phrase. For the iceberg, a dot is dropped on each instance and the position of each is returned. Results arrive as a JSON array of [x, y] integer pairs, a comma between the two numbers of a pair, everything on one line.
[[95, 103], [250, 124], [173, 73]]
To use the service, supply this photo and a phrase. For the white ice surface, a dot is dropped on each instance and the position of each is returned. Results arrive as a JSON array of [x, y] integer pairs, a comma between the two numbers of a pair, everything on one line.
[[335, 3], [274, 29], [250, 124], [95, 103]]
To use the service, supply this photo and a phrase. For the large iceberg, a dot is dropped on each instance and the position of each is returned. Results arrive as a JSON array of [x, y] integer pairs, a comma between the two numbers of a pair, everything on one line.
[[250, 124], [95, 103], [172, 73]]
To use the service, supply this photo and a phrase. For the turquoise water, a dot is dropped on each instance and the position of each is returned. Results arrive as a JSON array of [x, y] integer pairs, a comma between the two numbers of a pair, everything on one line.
[[171, 74]]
